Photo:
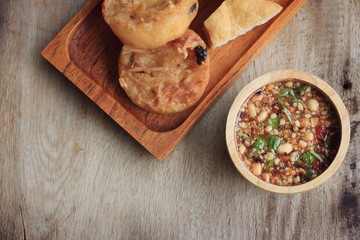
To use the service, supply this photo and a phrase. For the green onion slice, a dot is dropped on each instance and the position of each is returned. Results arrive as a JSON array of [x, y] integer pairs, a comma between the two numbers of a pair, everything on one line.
[[308, 157], [259, 144], [301, 90], [242, 135], [274, 142], [288, 115], [273, 122], [316, 155]]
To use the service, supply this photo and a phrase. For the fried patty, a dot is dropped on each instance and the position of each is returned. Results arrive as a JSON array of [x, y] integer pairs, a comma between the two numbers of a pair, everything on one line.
[[166, 80], [149, 24]]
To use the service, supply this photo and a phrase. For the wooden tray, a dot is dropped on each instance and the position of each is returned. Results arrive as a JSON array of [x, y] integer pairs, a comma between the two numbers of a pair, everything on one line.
[[86, 52]]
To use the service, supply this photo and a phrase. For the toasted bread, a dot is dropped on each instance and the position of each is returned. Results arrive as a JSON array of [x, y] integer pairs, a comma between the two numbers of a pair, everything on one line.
[[236, 17]]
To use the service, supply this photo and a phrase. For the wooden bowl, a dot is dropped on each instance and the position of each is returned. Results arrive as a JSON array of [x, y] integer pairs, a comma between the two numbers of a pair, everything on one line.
[[276, 77]]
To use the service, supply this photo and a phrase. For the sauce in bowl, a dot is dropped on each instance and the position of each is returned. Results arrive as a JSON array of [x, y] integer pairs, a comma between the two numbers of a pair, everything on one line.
[[287, 133]]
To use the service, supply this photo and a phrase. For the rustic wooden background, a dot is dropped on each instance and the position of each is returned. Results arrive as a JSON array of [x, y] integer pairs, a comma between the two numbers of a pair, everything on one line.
[[67, 171]]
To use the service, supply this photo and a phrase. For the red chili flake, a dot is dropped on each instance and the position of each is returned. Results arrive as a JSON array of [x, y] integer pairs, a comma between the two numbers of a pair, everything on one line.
[[275, 108], [316, 163], [284, 158], [319, 133], [319, 170], [247, 130]]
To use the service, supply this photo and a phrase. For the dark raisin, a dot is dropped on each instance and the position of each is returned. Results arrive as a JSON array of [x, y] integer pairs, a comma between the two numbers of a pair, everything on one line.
[[201, 54], [193, 8]]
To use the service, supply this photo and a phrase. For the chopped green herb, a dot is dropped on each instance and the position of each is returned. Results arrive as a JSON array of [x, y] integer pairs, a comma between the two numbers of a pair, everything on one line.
[[281, 102], [308, 173], [292, 95], [259, 144], [274, 142], [269, 164], [294, 100], [288, 115], [312, 152], [242, 135], [289, 92], [285, 92], [273, 122], [308, 157], [301, 90]]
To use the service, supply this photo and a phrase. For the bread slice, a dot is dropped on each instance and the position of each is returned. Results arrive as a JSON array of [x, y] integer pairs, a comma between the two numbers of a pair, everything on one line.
[[236, 17]]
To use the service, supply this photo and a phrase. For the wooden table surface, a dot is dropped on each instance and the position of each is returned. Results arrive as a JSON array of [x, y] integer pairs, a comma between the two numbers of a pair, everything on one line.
[[67, 171]]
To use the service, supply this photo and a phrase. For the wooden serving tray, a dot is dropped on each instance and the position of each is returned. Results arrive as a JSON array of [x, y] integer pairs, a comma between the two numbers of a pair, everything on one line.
[[86, 52]]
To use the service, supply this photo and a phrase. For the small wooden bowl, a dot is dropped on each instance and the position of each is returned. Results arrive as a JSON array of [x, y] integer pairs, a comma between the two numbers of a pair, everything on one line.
[[277, 77]]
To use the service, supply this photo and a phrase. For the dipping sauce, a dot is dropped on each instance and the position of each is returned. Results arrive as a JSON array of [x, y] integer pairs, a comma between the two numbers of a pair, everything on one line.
[[287, 133]]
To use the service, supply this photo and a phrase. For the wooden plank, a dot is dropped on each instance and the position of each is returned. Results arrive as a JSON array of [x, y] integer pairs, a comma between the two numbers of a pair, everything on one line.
[[68, 171]]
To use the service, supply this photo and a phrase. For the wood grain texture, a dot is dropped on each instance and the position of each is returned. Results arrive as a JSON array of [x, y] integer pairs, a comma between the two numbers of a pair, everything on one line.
[[86, 51], [68, 171]]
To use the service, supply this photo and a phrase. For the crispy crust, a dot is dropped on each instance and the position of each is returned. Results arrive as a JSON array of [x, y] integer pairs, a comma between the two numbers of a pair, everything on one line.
[[164, 80], [149, 24], [236, 17]]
